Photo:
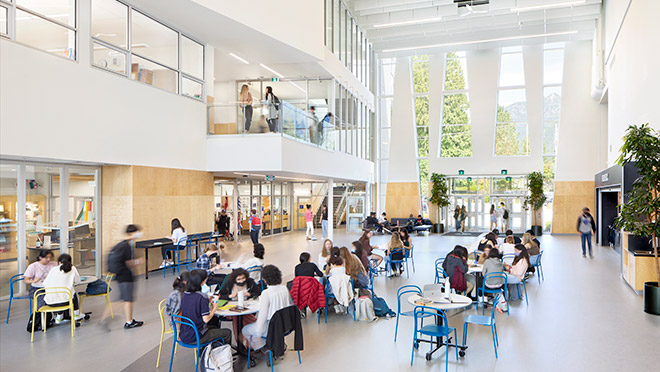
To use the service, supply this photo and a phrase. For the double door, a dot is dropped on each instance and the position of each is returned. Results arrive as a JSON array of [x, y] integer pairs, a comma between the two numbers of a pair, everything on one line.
[[478, 212]]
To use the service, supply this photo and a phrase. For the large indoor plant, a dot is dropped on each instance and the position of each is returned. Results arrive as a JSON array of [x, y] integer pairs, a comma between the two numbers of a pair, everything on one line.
[[640, 212], [535, 200], [439, 195]]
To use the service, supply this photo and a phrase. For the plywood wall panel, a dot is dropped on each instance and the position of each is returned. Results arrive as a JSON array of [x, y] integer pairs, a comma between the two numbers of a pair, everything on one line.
[[402, 199], [569, 199]]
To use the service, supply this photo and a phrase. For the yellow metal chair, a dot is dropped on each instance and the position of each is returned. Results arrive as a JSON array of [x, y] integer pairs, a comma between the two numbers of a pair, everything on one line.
[[164, 329], [82, 295], [52, 309]]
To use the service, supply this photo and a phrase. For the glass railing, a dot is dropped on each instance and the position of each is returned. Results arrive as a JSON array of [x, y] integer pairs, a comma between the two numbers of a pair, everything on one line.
[[284, 118]]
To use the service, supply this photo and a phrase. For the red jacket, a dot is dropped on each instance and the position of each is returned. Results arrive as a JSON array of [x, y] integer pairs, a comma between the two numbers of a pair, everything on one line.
[[307, 292]]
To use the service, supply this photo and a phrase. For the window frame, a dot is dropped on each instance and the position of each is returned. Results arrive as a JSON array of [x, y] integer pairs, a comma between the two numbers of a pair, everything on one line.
[[448, 92], [500, 88]]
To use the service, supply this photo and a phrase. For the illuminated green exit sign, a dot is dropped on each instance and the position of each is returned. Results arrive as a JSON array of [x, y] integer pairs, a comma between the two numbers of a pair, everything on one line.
[[461, 172]]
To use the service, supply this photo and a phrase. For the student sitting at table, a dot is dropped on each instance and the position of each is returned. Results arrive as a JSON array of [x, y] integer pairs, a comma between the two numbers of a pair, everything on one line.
[[354, 267], [493, 265], [239, 281], [515, 238], [508, 247], [37, 271], [210, 262], [516, 271], [405, 239], [201, 310], [457, 259], [66, 275], [306, 267], [340, 284], [178, 236], [485, 254], [325, 254], [173, 301], [256, 260], [272, 299], [488, 240], [368, 248], [397, 250], [532, 248]]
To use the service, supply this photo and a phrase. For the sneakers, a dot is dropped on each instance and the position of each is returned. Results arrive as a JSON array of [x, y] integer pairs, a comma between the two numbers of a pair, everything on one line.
[[584, 255], [163, 264], [59, 318], [79, 316], [133, 324]]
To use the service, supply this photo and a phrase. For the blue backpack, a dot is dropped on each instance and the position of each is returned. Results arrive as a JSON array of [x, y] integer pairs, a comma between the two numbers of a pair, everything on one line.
[[381, 308], [96, 288]]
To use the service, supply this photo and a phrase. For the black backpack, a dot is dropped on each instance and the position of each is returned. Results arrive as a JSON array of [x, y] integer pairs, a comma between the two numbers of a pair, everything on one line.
[[505, 215], [276, 102]]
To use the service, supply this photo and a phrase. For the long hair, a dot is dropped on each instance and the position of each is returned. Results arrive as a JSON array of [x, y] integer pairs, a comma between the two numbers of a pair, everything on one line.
[[325, 251], [353, 265], [177, 224], [396, 241], [359, 251], [492, 208], [523, 254], [244, 92]]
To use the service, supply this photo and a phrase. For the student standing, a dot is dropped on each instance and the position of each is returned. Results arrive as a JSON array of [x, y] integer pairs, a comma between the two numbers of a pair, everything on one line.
[[585, 225], [245, 100], [309, 219], [457, 218], [493, 217], [324, 222], [504, 215], [272, 109], [255, 226], [121, 263], [325, 127], [463, 217]]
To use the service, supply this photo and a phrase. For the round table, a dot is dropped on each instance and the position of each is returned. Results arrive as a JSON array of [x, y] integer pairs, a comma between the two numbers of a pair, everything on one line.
[[475, 268], [458, 302], [87, 279], [252, 306]]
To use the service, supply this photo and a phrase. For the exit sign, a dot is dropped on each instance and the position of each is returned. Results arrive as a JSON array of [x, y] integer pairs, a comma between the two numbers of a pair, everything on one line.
[[270, 178], [469, 179], [503, 171], [461, 172], [508, 179], [275, 80]]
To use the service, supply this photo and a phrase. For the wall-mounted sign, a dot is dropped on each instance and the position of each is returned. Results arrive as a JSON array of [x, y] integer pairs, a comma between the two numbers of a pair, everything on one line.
[[461, 172]]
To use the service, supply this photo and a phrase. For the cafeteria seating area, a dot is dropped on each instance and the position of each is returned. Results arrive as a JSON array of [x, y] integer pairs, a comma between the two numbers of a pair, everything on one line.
[[581, 317]]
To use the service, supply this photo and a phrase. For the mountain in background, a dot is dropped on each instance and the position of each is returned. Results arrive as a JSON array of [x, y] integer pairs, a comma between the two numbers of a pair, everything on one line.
[[551, 108]]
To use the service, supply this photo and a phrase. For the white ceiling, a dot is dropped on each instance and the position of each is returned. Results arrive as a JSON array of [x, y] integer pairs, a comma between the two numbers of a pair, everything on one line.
[[446, 26]]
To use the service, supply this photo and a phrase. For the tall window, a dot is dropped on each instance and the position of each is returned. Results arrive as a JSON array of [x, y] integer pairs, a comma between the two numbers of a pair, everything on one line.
[[49, 25], [420, 73], [456, 131], [130, 43], [511, 137], [553, 69]]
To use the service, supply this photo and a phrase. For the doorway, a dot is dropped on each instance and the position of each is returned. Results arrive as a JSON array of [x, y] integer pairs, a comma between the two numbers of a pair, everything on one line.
[[301, 203]]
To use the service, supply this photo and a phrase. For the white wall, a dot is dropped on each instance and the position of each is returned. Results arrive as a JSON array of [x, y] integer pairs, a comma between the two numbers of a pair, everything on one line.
[[270, 154], [403, 156], [633, 74], [58, 109], [577, 153], [298, 23]]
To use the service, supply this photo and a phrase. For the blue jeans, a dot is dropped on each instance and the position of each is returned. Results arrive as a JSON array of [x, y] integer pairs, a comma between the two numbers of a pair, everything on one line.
[[586, 239], [324, 226]]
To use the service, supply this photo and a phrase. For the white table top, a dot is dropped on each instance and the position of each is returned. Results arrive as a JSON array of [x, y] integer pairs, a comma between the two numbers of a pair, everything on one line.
[[475, 268], [87, 279], [462, 301], [252, 308]]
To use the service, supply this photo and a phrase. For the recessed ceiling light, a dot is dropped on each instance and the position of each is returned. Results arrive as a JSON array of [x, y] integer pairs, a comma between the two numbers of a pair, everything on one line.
[[480, 41], [547, 6], [239, 58], [406, 23], [271, 70]]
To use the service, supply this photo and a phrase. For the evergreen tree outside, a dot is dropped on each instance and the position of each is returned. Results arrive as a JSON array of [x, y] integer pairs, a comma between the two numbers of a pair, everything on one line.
[[456, 137]]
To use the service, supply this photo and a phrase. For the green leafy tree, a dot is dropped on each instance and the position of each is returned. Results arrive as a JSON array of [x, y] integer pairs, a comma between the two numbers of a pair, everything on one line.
[[456, 140], [507, 138]]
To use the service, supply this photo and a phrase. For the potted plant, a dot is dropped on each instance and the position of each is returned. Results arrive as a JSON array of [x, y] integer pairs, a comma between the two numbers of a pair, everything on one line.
[[640, 212], [535, 200], [439, 197]]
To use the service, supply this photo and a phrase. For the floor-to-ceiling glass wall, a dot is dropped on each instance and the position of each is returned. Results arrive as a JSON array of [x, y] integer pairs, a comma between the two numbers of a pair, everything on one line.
[[53, 207]]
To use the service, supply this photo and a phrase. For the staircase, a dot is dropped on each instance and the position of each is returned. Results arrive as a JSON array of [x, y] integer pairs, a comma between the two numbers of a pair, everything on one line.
[[338, 207]]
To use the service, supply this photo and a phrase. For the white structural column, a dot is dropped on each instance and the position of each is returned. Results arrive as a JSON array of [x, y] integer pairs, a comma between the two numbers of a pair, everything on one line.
[[97, 219], [64, 210], [331, 204], [20, 222], [234, 217]]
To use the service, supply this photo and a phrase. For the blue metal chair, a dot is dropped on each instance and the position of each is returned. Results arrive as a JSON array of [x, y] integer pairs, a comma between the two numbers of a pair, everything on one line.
[[257, 269], [536, 263], [439, 271], [270, 352], [14, 279], [400, 292], [397, 263], [481, 292], [193, 244], [525, 287], [508, 256], [488, 321], [329, 295], [175, 256], [477, 253], [182, 321], [372, 274], [409, 254], [432, 330]]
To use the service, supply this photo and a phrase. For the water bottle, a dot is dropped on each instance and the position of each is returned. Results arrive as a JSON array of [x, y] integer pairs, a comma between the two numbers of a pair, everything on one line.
[[447, 288], [241, 298]]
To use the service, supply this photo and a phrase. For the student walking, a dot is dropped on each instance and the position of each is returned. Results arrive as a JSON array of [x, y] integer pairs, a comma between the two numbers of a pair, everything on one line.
[[255, 226], [324, 222], [121, 263], [457, 217], [504, 216], [309, 218], [585, 225], [463, 217]]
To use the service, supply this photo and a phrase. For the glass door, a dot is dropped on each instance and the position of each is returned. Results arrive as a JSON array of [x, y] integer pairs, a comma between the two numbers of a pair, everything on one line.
[[355, 213], [301, 203], [517, 215]]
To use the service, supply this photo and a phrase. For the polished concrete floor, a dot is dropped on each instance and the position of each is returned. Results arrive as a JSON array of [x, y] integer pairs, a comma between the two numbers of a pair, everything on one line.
[[583, 317]]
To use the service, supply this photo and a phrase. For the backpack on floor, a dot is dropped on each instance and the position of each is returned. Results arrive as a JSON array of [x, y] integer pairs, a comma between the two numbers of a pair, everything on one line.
[[381, 308], [216, 359], [364, 309]]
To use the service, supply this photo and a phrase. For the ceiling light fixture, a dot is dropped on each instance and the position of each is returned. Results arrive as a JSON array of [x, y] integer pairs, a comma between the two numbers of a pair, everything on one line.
[[239, 58], [298, 86], [406, 23], [271, 70], [547, 6], [481, 41]]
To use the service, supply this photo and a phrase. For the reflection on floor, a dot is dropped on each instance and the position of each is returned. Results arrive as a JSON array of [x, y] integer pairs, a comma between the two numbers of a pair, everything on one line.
[[583, 317]]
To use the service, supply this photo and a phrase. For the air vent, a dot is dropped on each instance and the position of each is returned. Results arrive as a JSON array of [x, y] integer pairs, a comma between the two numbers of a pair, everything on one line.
[[463, 3]]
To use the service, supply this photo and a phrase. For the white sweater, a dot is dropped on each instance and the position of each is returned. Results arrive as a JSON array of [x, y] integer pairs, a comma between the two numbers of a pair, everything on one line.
[[272, 299], [341, 285], [58, 278]]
